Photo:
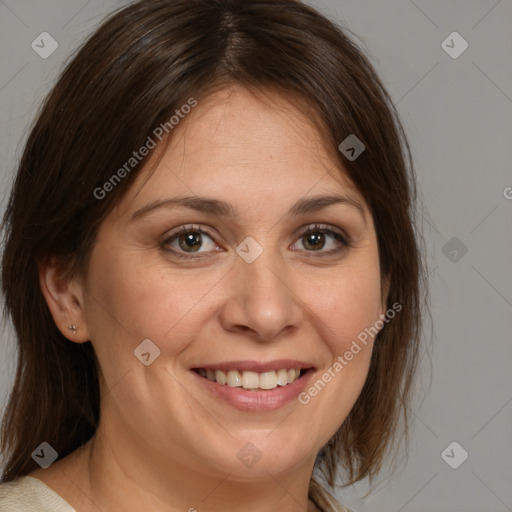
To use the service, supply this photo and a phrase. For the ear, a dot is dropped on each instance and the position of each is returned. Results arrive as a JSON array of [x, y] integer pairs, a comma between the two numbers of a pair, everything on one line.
[[65, 300]]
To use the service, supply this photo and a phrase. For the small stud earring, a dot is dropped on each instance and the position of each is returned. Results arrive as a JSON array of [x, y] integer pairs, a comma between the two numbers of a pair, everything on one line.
[[72, 328]]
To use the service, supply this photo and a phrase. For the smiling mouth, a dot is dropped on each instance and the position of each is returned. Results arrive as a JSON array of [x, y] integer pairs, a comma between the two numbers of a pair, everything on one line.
[[252, 381]]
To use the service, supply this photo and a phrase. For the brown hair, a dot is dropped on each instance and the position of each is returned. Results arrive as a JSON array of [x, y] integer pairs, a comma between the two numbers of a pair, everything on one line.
[[143, 63]]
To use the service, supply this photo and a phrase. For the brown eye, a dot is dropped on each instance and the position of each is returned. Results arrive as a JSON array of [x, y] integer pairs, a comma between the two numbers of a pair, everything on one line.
[[190, 241], [318, 238], [187, 241], [314, 241]]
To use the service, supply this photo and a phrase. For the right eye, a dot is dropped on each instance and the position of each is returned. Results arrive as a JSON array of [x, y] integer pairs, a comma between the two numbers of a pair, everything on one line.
[[186, 241]]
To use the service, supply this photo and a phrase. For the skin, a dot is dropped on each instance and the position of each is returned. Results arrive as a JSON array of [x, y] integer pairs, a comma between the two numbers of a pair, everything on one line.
[[164, 443]]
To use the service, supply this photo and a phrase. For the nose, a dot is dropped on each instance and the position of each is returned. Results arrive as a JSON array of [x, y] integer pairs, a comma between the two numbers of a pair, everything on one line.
[[261, 300]]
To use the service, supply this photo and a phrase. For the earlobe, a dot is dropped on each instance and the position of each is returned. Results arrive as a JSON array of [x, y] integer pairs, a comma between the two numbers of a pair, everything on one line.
[[64, 299]]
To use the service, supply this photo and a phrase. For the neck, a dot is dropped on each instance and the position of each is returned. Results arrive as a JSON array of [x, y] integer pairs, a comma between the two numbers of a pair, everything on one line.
[[114, 477]]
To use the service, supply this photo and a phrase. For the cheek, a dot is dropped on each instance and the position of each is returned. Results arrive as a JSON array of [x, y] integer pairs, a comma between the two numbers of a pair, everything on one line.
[[351, 305], [347, 318], [133, 299]]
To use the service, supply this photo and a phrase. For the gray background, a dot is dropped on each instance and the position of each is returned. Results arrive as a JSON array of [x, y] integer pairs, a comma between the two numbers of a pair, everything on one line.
[[458, 116]]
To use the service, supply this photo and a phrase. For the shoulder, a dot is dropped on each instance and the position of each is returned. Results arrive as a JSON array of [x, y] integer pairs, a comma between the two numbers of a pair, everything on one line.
[[28, 494]]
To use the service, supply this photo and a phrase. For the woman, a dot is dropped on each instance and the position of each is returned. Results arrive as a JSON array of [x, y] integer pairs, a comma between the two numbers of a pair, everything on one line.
[[211, 266]]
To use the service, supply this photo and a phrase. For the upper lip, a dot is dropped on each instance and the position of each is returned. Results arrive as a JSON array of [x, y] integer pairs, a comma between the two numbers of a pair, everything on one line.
[[257, 366]]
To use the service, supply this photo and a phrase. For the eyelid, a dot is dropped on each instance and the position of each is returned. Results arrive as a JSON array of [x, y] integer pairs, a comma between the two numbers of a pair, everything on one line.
[[318, 226], [344, 239], [340, 235], [170, 236]]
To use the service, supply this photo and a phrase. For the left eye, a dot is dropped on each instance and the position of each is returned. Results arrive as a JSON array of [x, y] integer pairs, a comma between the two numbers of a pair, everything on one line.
[[190, 239], [315, 239]]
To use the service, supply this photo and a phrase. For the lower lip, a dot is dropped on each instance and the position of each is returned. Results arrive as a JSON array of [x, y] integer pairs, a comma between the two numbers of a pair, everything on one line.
[[245, 400]]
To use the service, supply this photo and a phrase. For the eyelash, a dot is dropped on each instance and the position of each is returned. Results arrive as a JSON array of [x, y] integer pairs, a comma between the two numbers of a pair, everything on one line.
[[317, 228]]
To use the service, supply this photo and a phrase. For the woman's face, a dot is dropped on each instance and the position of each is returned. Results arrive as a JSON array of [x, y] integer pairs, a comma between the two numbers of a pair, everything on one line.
[[256, 294]]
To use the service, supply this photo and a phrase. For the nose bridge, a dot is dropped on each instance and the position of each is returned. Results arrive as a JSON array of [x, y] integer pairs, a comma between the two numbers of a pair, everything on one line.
[[262, 298], [265, 276]]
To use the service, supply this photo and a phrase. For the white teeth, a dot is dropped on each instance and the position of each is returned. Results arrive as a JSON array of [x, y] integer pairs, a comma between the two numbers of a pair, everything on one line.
[[282, 378], [268, 380], [234, 379], [252, 380], [221, 377]]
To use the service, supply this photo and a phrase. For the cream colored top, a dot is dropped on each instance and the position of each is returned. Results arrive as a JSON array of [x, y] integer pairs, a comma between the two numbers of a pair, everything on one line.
[[29, 494]]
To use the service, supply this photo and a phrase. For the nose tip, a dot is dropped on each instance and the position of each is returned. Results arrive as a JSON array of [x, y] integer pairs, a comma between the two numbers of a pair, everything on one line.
[[261, 301]]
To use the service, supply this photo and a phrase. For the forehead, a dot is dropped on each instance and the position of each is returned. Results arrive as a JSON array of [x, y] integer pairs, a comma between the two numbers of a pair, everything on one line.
[[245, 120], [234, 140]]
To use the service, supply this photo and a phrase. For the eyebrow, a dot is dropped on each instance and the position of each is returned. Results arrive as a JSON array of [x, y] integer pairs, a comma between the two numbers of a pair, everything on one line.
[[222, 209]]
